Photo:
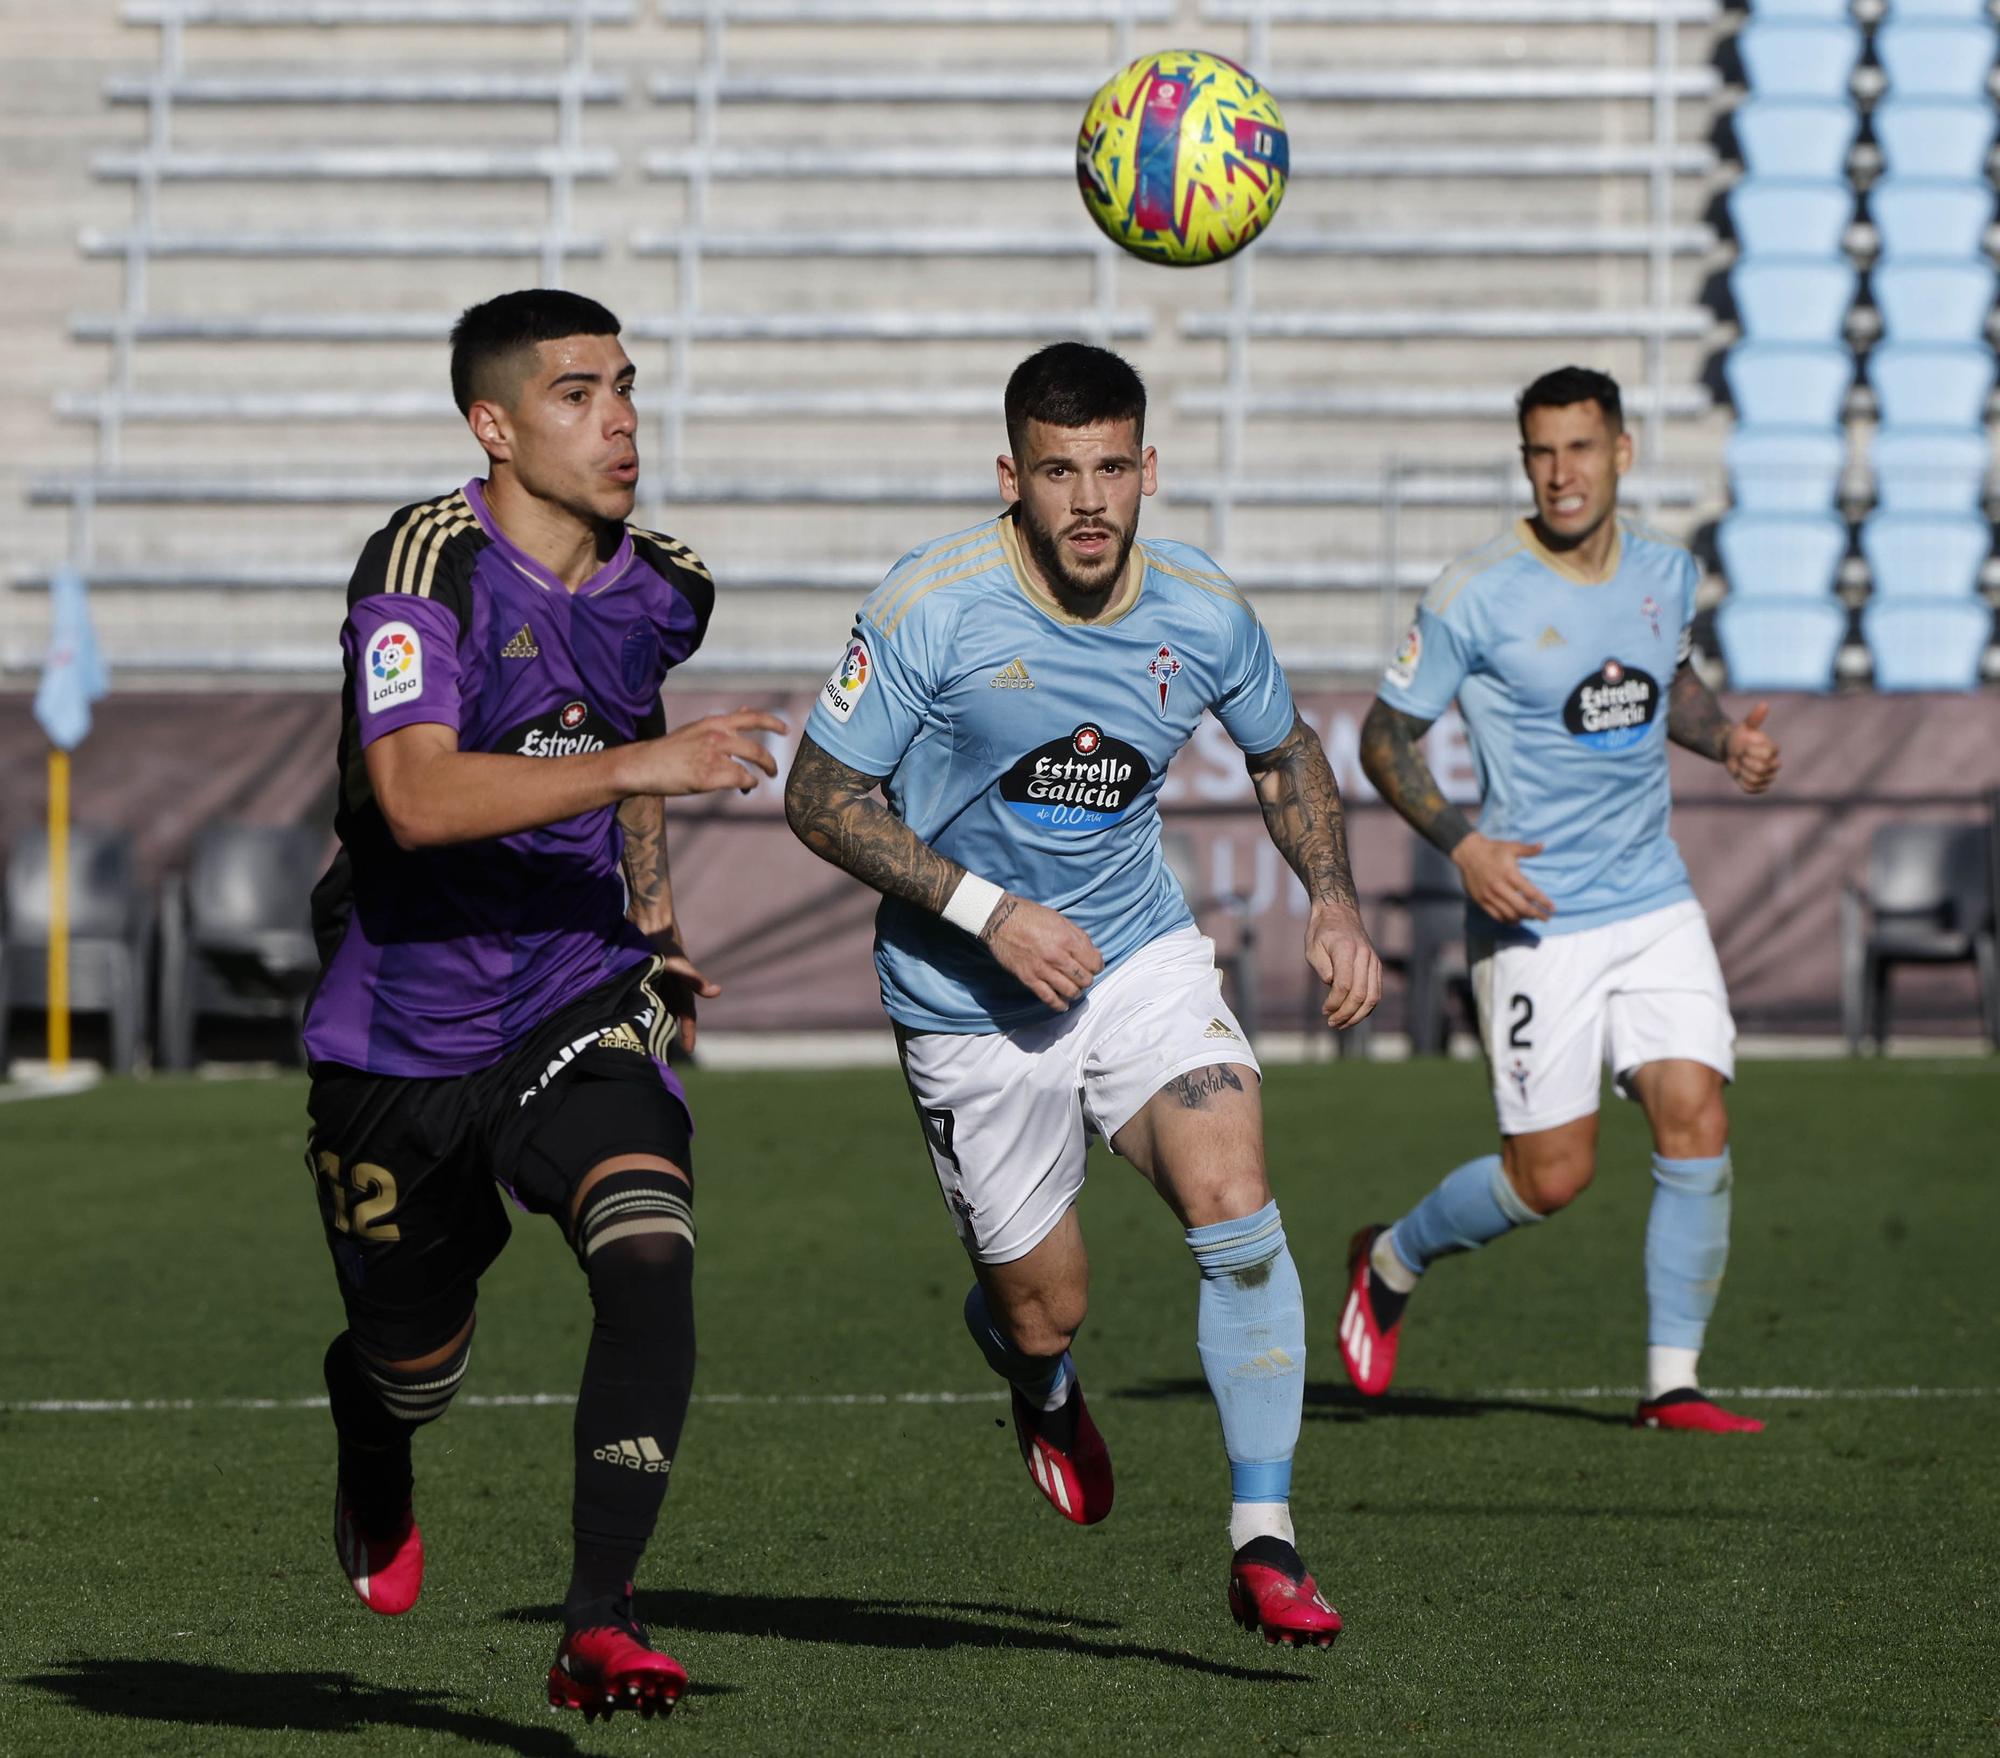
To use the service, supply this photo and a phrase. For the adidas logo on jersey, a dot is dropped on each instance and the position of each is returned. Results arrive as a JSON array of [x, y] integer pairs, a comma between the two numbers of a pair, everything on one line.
[[1216, 1029], [1551, 637], [522, 646], [1011, 677], [641, 1455], [620, 1037]]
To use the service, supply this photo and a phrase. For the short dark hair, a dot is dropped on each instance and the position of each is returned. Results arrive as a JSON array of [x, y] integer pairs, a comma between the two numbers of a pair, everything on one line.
[[487, 338], [1573, 384], [1071, 384]]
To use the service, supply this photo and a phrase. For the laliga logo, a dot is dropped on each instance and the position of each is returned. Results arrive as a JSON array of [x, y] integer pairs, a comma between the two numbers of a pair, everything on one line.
[[391, 656]]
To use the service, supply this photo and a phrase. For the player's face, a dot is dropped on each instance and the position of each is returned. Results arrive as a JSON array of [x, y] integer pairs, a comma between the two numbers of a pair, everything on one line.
[[1079, 491], [1574, 460], [570, 433]]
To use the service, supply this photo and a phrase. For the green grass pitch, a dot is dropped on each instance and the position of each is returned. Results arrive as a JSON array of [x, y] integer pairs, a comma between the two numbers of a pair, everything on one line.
[[1519, 1571]]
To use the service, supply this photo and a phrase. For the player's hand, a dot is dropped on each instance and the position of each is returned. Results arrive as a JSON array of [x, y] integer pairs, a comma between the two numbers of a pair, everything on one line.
[[1751, 754], [705, 756], [1344, 959], [1043, 948], [680, 983], [1494, 881]]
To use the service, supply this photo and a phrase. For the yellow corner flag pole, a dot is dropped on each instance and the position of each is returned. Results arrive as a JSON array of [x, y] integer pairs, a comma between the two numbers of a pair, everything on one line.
[[58, 909]]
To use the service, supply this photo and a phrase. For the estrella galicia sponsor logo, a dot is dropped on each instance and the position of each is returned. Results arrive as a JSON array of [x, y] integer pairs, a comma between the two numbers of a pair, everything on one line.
[[1613, 707], [1077, 783], [569, 730]]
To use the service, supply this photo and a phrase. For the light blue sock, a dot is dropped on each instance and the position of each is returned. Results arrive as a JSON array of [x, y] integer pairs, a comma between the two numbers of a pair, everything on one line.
[[1470, 1205], [1251, 1332], [1042, 1381], [1687, 1244]]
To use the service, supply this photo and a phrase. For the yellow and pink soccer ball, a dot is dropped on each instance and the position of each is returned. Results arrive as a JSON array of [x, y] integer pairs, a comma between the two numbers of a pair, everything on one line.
[[1182, 157]]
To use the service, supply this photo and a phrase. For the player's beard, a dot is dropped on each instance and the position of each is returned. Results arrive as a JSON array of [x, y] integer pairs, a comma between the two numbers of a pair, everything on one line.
[[1046, 548]]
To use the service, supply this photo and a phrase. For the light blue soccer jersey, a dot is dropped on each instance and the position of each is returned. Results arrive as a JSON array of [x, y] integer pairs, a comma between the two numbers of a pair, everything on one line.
[[1562, 685], [1030, 746]]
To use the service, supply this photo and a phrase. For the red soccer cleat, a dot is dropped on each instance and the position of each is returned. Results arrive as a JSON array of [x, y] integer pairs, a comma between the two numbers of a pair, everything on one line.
[[1693, 1412], [1367, 1351], [613, 1666], [386, 1571], [1066, 1456], [1269, 1590]]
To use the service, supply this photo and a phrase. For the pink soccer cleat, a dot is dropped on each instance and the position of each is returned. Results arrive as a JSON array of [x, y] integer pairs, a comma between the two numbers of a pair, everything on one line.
[[1066, 1456], [386, 1570], [1269, 1590], [1693, 1412], [1367, 1349], [613, 1666]]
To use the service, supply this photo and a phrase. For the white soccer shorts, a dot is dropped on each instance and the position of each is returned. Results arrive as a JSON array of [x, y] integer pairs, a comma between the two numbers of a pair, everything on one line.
[[1553, 1011], [1008, 1116]]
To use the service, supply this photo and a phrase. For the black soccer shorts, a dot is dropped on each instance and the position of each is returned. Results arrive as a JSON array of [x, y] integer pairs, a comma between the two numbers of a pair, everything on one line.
[[409, 1172]]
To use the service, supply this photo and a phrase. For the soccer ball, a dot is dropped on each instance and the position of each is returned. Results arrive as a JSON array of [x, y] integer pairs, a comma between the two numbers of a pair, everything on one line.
[[1182, 157]]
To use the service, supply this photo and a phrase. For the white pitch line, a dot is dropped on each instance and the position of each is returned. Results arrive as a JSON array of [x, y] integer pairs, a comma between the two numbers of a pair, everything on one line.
[[838, 1400]]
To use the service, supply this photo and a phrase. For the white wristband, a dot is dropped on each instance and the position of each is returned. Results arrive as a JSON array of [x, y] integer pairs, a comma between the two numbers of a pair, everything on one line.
[[972, 903]]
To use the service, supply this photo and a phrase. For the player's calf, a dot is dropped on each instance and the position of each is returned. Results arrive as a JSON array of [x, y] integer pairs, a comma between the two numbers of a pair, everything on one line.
[[376, 1410]]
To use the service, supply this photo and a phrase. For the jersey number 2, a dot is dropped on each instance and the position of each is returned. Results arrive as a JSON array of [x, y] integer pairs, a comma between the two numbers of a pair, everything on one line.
[[1524, 1013]]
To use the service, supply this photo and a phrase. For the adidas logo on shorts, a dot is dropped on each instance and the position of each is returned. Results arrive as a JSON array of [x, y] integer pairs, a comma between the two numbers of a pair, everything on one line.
[[641, 1455], [1216, 1029], [620, 1037]]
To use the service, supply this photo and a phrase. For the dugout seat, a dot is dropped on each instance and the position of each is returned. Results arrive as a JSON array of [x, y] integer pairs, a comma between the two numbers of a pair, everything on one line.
[[1799, 58], [1927, 643], [1928, 900], [1948, 141], [1788, 299], [1777, 555], [1912, 556], [1924, 384], [236, 932], [1929, 470], [1936, 58], [110, 934], [1929, 301], [1809, 139], [1780, 645], [1784, 384], [1785, 216], [1786, 469], [1917, 217]]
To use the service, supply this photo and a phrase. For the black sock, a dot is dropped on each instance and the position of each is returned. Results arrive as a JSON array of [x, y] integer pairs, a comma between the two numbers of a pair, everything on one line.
[[636, 1382], [374, 1446], [1385, 1302]]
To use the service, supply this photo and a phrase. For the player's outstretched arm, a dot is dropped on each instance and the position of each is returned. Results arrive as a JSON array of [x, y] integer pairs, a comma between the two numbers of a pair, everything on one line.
[[432, 793], [649, 887], [1301, 805], [1490, 867], [1696, 720], [832, 809]]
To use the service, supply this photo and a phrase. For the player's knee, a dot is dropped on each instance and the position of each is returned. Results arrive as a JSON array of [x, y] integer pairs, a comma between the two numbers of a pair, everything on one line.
[[1695, 1131], [634, 1236], [410, 1395], [1045, 1323], [1551, 1181]]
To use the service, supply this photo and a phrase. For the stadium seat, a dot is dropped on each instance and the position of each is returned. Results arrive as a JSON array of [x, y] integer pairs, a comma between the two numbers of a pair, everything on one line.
[[1936, 60], [1781, 216], [1772, 555], [1946, 141], [1926, 301], [1792, 299], [110, 935], [1936, 557], [1786, 469], [1929, 470], [1796, 58], [1928, 900], [1787, 645], [1945, 9], [1927, 643], [1919, 217], [236, 933], [1779, 384], [1931, 385], [1828, 11], [1806, 139]]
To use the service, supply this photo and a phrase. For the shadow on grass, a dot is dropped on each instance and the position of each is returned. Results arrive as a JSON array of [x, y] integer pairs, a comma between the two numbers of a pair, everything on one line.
[[195, 1695], [902, 1623], [1336, 1401]]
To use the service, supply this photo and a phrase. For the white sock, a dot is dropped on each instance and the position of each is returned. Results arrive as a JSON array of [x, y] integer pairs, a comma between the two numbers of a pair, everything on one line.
[[1248, 1520], [1395, 1274], [1668, 1370]]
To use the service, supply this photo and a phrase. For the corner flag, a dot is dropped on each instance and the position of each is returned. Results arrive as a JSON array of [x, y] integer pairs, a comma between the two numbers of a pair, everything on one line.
[[73, 676]]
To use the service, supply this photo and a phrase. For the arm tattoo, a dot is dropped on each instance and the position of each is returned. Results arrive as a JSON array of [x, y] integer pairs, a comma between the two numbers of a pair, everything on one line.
[[1301, 806], [1195, 1088], [830, 809], [1007, 905], [649, 890], [1390, 759], [1694, 717]]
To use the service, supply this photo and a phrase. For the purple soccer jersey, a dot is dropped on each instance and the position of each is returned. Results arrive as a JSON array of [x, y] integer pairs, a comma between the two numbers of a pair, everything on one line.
[[439, 960]]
